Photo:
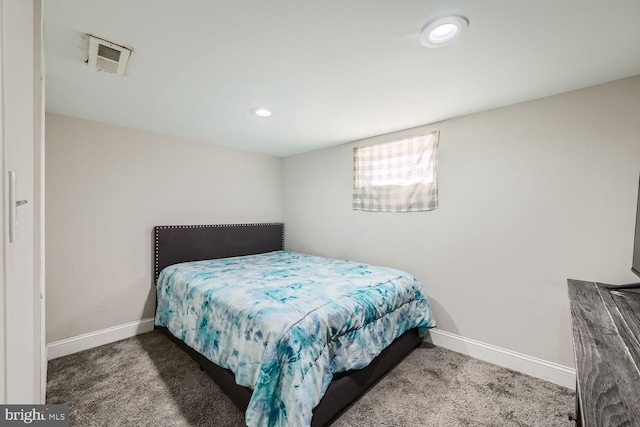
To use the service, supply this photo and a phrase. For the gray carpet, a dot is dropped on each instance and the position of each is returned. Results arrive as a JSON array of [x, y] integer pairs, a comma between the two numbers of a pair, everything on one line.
[[149, 381]]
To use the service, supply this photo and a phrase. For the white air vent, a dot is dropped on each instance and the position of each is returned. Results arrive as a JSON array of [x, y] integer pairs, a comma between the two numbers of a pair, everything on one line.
[[107, 56]]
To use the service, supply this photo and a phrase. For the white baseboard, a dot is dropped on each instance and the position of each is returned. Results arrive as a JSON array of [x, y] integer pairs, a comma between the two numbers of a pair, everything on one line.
[[529, 365], [95, 339]]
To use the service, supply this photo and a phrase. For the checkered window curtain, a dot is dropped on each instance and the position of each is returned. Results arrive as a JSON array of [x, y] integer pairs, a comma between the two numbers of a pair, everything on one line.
[[399, 176]]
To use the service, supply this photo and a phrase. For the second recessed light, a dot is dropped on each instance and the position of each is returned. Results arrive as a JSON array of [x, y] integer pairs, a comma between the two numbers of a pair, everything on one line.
[[262, 112], [442, 31]]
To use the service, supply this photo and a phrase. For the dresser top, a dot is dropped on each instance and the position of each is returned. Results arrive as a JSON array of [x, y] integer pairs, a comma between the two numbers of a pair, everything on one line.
[[605, 326]]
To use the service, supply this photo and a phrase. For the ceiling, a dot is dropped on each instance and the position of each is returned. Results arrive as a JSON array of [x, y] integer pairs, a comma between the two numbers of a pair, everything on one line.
[[333, 71]]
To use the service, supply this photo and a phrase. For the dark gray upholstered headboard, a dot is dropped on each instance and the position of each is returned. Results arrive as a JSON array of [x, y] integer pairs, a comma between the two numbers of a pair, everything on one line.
[[174, 244]]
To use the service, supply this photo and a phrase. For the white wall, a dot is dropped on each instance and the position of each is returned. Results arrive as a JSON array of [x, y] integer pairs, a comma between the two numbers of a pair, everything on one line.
[[530, 195], [106, 189]]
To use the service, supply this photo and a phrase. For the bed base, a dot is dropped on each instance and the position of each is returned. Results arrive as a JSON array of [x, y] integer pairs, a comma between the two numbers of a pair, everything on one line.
[[345, 388], [175, 244]]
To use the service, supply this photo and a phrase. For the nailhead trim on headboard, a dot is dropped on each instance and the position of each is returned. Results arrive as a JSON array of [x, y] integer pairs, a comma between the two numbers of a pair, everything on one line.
[[163, 227]]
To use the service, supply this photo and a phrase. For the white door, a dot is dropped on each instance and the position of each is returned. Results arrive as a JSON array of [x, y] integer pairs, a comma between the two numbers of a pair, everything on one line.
[[21, 119]]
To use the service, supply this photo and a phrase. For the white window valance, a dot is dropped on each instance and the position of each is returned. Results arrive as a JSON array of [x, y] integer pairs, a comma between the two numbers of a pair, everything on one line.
[[398, 176]]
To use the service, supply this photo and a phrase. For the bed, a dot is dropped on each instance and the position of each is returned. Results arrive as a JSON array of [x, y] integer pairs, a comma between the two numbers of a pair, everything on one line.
[[296, 338]]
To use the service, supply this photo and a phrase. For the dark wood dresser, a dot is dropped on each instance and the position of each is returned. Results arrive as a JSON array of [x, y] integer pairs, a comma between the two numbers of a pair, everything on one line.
[[606, 334]]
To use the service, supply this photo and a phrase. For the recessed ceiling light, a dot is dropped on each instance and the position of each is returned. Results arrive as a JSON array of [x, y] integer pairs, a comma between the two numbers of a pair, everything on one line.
[[262, 112], [442, 31]]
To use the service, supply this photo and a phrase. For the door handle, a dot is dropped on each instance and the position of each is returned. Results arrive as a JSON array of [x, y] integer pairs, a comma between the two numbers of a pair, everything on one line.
[[13, 206]]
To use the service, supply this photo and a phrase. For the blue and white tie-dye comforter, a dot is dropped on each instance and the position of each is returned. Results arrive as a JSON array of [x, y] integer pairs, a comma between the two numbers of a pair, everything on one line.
[[285, 322]]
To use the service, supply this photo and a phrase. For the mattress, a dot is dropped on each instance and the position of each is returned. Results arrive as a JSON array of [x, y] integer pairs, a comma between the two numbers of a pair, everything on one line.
[[284, 322]]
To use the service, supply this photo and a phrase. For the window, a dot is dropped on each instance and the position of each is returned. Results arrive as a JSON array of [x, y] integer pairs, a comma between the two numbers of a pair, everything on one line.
[[399, 176]]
